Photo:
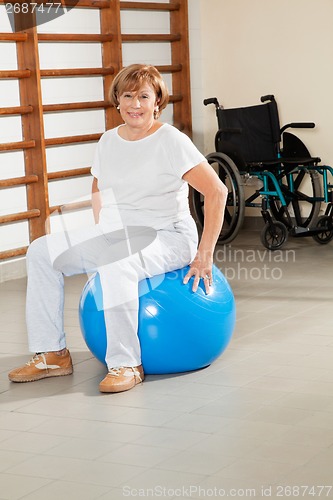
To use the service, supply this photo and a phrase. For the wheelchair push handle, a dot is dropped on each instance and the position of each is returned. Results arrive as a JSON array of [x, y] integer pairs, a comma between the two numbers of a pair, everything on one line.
[[298, 125], [212, 100], [302, 125], [268, 97]]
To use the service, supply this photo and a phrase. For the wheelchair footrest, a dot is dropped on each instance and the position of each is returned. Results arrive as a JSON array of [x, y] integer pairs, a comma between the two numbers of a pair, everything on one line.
[[298, 232]]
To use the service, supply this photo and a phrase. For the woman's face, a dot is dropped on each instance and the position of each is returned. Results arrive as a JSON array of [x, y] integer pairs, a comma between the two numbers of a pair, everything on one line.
[[137, 107]]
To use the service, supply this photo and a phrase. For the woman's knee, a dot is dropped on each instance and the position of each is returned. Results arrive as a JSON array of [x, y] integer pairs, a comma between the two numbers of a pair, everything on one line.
[[37, 250]]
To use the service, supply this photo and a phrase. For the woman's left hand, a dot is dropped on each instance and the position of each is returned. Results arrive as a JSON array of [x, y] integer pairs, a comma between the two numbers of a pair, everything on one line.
[[200, 269]]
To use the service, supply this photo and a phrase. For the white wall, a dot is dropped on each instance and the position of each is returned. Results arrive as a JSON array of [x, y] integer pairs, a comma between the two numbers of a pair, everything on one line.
[[11, 164], [59, 90], [281, 47], [239, 50], [55, 90]]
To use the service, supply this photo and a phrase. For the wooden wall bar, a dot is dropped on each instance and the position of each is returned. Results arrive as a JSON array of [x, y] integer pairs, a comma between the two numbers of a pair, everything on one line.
[[49, 73], [66, 174], [11, 254], [149, 6], [84, 4], [29, 214], [31, 108], [65, 37], [111, 55], [33, 124], [15, 73], [180, 56], [16, 110], [75, 106], [13, 37], [12, 146], [18, 181]]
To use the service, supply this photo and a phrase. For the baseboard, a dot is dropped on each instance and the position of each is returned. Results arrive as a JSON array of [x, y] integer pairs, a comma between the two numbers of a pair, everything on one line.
[[12, 269]]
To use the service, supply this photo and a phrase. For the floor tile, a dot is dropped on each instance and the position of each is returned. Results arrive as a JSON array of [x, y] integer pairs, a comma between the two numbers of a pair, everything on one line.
[[14, 487], [68, 489], [260, 416]]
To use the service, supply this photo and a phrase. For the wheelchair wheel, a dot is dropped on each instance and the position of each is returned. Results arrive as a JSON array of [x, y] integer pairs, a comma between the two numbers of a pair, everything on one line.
[[274, 235], [235, 206], [303, 199], [326, 236]]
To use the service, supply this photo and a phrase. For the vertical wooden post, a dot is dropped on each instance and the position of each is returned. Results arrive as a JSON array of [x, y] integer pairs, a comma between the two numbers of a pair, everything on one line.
[[111, 55], [180, 55], [32, 124]]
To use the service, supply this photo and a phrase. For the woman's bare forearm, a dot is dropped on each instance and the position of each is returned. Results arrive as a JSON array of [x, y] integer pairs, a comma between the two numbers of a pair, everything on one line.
[[96, 200], [213, 220]]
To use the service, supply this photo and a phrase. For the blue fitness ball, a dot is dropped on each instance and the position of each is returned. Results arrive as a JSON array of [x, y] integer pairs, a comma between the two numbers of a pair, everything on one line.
[[179, 330]]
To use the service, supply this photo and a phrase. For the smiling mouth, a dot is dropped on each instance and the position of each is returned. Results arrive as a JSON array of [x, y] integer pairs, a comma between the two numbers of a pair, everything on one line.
[[135, 115]]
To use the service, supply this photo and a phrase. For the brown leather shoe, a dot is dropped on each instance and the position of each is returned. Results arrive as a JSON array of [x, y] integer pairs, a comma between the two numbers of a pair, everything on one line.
[[43, 365], [122, 379]]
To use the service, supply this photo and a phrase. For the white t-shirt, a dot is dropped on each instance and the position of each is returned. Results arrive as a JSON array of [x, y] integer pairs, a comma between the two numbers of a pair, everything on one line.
[[141, 181]]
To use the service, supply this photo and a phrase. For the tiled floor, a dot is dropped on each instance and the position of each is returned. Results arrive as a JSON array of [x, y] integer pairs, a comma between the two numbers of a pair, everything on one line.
[[258, 422]]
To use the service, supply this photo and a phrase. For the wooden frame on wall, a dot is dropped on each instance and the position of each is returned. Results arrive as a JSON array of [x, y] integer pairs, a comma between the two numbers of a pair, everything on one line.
[[32, 109]]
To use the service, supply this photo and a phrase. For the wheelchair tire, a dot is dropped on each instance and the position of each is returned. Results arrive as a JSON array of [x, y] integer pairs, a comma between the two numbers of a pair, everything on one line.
[[326, 236], [235, 207], [303, 204], [274, 235]]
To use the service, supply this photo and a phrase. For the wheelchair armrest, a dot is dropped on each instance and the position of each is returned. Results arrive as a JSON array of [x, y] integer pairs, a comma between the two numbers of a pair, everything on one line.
[[298, 125]]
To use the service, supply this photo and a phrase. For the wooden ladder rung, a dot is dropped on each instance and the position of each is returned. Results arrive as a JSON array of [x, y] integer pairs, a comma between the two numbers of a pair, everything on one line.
[[10, 254], [65, 174], [18, 181], [176, 98], [51, 108], [89, 4], [151, 38], [75, 37], [76, 72], [13, 37], [15, 73], [68, 207], [16, 110], [19, 216], [11, 146], [59, 141], [169, 68], [149, 6]]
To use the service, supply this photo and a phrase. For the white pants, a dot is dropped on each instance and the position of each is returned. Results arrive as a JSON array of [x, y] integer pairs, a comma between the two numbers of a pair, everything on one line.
[[51, 257]]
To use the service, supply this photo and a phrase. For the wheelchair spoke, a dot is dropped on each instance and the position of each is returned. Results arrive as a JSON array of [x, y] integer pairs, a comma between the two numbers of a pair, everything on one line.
[[302, 193], [228, 215]]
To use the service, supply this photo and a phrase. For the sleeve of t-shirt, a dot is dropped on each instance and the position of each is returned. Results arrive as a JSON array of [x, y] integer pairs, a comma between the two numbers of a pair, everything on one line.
[[183, 154]]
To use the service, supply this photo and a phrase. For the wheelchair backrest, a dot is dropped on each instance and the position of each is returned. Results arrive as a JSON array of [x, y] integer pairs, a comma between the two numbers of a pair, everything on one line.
[[249, 134]]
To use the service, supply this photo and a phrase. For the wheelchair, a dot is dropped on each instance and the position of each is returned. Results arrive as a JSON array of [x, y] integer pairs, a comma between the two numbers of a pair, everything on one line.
[[289, 185]]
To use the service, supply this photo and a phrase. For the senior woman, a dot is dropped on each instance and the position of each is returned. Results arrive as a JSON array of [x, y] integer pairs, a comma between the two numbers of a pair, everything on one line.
[[141, 172]]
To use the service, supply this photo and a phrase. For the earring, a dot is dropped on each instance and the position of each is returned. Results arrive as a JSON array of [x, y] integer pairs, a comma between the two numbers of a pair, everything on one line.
[[156, 110], [118, 107]]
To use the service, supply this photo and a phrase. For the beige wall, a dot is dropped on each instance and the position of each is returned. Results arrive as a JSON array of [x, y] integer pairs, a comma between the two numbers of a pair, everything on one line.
[[282, 47], [239, 50]]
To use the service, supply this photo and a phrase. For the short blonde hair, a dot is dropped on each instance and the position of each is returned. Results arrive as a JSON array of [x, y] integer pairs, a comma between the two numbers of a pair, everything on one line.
[[133, 77]]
